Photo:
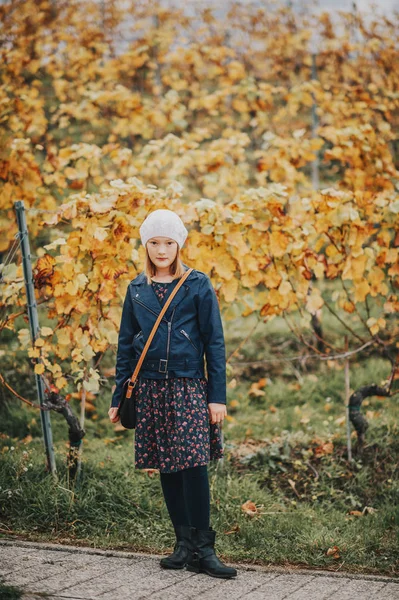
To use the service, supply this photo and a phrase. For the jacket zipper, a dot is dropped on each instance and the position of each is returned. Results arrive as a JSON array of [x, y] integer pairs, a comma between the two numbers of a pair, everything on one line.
[[148, 308], [169, 328], [167, 348], [138, 334], [189, 339]]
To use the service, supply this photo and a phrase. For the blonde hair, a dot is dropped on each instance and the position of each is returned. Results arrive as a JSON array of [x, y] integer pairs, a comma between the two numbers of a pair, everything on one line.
[[176, 268]]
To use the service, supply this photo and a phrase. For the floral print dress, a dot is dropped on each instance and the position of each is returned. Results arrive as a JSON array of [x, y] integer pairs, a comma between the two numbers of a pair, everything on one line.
[[173, 431]]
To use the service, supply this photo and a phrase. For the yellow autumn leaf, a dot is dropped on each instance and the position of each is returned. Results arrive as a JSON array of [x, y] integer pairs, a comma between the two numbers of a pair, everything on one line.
[[251, 279], [33, 352], [235, 70], [354, 268], [87, 353], [83, 305], [81, 280], [271, 277], [76, 355], [64, 336], [109, 331], [318, 270], [278, 244], [24, 337], [72, 288], [92, 382], [46, 331], [229, 289], [100, 233], [373, 325], [285, 288], [61, 382], [362, 289], [331, 251], [314, 301], [55, 369], [39, 368], [348, 306], [55, 243], [8, 272]]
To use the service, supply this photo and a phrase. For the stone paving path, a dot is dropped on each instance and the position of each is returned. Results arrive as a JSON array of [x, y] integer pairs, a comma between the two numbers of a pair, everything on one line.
[[71, 573]]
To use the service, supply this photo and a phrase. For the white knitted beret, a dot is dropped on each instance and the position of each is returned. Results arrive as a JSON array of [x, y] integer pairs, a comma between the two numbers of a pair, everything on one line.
[[163, 222]]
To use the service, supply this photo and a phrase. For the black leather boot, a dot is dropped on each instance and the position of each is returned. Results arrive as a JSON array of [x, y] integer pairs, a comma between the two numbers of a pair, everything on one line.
[[182, 550], [204, 559]]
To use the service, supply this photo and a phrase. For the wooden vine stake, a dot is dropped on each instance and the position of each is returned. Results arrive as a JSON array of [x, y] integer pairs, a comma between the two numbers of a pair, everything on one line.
[[347, 396], [83, 393], [34, 331]]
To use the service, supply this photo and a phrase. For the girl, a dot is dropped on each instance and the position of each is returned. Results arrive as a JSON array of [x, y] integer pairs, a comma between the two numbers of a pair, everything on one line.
[[179, 410]]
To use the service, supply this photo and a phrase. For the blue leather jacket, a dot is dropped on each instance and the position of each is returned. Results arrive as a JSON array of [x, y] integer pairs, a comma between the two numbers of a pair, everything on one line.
[[190, 328]]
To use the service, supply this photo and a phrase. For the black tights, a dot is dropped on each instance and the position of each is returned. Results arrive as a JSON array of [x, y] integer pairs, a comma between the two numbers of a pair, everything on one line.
[[187, 496]]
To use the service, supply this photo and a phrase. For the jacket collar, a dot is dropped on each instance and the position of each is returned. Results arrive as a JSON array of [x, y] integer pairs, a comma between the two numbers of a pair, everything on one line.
[[145, 294]]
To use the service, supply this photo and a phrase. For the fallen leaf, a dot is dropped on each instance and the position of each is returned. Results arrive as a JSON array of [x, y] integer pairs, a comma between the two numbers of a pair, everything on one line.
[[334, 552], [323, 449], [292, 484], [368, 510], [249, 508], [255, 391], [234, 529], [150, 472]]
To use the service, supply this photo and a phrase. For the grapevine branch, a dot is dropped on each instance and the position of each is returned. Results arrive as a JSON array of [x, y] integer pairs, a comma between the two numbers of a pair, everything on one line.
[[306, 356], [56, 402]]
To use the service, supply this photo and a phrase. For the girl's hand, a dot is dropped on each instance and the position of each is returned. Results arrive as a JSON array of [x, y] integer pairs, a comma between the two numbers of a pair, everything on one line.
[[217, 412], [113, 415]]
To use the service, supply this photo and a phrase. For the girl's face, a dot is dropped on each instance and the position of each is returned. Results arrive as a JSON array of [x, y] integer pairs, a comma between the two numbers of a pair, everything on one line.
[[162, 251]]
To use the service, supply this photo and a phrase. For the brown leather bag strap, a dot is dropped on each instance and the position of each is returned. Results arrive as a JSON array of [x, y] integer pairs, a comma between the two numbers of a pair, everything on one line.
[[133, 378]]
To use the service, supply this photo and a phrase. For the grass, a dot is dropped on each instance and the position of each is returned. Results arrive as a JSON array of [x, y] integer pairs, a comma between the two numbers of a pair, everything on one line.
[[116, 506], [285, 458], [9, 592]]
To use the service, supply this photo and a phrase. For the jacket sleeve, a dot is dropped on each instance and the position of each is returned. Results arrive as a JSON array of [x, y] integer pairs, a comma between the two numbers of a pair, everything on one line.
[[124, 353], [211, 331]]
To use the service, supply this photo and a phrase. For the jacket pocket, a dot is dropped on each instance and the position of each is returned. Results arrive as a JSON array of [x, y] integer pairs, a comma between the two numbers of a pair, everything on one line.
[[188, 337]]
